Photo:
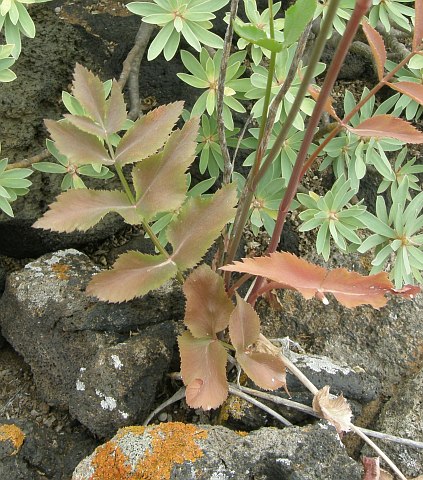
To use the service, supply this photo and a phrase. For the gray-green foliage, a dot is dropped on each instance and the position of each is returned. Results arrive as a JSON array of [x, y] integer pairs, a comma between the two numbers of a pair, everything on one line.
[[13, 183], [397, 236], [16, 21], [6, 61]]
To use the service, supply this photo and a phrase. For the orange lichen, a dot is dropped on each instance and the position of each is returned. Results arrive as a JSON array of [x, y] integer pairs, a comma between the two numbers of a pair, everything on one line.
[[171, 443], [60, 269], [109, 463], [13, 434], [241, 433]]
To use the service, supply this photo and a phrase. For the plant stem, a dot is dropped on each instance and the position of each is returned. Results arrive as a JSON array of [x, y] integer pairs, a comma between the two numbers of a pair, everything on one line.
[[360, 9], [356, 109], [227, 172]]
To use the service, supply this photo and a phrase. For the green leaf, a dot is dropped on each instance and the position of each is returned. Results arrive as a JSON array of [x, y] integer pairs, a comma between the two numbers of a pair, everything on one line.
[[254, 35], [49, 167], [296, 19]]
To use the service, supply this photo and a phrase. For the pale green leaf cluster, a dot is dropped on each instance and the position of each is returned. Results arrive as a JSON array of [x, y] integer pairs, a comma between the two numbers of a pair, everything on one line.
[[334, 217], [392, 13], [15, 20], [13, 184], [6, 61], [187, 18], [397, 236]]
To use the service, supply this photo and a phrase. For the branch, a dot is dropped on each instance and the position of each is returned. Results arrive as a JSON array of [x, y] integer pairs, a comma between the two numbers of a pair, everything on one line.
[[27, 162]]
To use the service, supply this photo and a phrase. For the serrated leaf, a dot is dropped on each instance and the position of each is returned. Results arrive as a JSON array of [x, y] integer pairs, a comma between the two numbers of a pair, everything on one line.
[[82, 209], [115, 110], [288, 271], [198, 224], [328, 106], [335, 410], [203, 371], [85, 124], [207, 307], [88, 90], [148, 134], [377, 46], [411, 89], [383, 126], [133, 274], [159, 181], [79, 147]]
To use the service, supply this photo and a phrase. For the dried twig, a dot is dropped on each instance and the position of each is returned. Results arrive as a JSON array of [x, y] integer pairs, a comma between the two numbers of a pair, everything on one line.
[[179, 395], [27, 162]]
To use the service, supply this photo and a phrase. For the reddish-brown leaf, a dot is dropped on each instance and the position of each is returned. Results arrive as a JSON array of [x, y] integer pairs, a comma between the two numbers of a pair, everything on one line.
[[115, 110], [148, 134], [377, 45], [266, 370], [315, 92], [411, 89], [387, 126], [289, 271], [371, 468], [208, 307], [159, 180], [88, 90], [80, 147], [203, 370], [85, 124], [133, 274], [335, 410], [418, 24], [81, 209], [198, 224]]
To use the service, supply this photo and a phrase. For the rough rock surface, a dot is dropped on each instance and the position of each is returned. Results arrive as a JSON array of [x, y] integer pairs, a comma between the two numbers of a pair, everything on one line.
[[187, 452], [403, 416], [70, 339], [30, 452]]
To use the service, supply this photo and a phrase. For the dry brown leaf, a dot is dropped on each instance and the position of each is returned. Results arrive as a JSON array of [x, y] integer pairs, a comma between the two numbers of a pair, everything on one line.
[[335, 410]]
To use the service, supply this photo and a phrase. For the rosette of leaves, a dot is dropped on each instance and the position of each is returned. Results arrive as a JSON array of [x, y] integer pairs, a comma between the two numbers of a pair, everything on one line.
[[15, 19], [391, 13], [406, 105], [285, 160], [6, 61], [397, 236], [265, 204], [189, 18], [260, 21], [258, 81], [205, 75], [334, 216], [350, 153], [343, 14], [13, 184], [401, 171]]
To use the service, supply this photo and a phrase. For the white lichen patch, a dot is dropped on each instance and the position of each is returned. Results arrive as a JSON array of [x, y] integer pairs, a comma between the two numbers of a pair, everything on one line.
[[124, 414], [319, 364], [107, 403], [220, 474], [116, 362], [80, 385], [284, 461]]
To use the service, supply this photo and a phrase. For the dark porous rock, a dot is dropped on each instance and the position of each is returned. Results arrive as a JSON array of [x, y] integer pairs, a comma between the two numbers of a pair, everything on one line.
[[403, 416], [59, 330], [119, 386], [187, 452], [31, 452], [44, 69], [385, 343]]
